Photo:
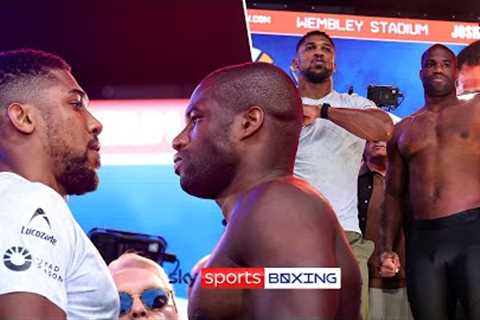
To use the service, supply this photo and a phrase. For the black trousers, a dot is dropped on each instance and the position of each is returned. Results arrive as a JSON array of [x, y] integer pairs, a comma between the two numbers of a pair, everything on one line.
[[443, 266]]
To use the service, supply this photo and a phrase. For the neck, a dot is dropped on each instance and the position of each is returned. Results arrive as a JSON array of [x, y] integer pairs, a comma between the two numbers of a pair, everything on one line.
[[378, 164], [436, 104], [229, 199], [314, 90], [33, 174]]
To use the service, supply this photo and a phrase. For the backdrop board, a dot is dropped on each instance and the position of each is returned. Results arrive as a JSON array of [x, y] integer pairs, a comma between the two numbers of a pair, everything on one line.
[[369, 50]]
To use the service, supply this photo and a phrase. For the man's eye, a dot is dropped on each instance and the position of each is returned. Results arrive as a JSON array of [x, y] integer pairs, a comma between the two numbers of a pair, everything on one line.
[[77, 104], [195, 119]]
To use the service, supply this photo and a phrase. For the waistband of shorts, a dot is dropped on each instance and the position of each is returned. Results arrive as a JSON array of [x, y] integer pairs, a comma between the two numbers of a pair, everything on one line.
[[463, 217]]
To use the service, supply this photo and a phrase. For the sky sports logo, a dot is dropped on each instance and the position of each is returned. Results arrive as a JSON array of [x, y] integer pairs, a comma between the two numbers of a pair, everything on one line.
[[271, 278]]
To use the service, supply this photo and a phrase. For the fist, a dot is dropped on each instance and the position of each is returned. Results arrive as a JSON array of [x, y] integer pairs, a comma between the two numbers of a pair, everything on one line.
[[310, 114], [390, 264]]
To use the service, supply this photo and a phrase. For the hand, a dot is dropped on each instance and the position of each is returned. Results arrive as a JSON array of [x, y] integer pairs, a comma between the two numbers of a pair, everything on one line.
[[310, 114], [390, 264]]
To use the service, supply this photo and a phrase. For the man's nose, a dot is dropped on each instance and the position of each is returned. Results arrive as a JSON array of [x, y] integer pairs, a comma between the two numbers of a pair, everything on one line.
[[439, 68], [94, 125], [319, 52], [180, 140], [138, 309]]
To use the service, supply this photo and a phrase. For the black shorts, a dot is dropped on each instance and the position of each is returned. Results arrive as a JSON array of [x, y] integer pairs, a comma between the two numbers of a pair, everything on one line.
[[443, 266]]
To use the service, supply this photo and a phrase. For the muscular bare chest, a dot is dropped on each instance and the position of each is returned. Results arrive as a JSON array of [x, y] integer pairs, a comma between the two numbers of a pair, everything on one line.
[[441, 151], [453, 133]]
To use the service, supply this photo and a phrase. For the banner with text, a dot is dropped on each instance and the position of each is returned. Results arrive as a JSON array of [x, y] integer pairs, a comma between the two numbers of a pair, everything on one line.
[[363, 27]]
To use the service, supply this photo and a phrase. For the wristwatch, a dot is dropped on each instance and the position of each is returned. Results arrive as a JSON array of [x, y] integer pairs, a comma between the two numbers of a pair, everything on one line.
[[324, 110]]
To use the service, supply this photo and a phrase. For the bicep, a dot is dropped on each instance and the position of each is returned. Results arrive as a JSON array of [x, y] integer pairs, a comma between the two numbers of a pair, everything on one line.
[[23, 305], [397, 173], [295, 236], [297, 231], [300, 248]]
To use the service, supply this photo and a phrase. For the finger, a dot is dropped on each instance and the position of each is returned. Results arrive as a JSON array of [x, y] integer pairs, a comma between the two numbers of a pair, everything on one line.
[[387, 270], [387, 256], [386, 274], [389, 264]]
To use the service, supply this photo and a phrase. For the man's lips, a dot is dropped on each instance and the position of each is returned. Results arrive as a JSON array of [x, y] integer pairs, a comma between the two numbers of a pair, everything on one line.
[[94, 145], [177, 162], [439, 78], [96, 155]]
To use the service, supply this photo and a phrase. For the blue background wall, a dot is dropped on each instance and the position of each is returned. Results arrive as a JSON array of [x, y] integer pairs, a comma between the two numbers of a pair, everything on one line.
[[148, 199], [363, 62]]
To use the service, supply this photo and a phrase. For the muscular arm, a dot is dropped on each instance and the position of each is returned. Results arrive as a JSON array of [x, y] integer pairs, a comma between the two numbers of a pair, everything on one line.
[[369, 124], [23, 305], [288, 229], [395, 194]]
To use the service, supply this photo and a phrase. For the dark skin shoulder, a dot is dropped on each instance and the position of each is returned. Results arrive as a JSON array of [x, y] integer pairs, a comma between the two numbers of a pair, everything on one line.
[[39, 307], [285, 223]]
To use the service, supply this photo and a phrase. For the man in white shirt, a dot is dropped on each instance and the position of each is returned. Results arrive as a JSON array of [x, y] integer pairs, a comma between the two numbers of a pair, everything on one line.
[[49, 149], [333, 137], [468, 65]]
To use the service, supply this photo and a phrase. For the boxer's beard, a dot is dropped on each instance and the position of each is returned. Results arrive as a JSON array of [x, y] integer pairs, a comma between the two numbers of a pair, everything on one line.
[[317, 76], [72, 169], [77, 177]]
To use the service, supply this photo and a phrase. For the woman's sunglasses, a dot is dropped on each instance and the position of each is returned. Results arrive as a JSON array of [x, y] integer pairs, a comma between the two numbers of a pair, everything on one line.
[[154, 298]]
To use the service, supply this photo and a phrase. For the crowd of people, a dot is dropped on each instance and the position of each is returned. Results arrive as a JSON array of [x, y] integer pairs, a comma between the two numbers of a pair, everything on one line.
[[305, 176]]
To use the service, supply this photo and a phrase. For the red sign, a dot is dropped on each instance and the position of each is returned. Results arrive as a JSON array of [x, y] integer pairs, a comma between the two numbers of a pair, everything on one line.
[[363, 27]]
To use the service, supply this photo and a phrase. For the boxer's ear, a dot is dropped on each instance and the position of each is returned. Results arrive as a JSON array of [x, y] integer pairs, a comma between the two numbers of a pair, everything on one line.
[[251, 121], [21, 117]]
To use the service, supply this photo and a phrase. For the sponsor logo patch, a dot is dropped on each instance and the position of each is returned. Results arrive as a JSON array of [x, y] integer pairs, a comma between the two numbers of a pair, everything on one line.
[[17, 259], [49, 269], [36, 231], [40, 213]]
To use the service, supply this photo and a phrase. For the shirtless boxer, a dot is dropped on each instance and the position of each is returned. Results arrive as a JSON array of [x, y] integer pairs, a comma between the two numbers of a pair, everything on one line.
[[238, 147], [434, 172], [469, 69]]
